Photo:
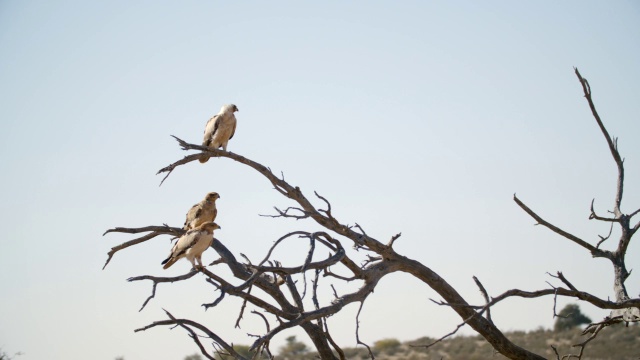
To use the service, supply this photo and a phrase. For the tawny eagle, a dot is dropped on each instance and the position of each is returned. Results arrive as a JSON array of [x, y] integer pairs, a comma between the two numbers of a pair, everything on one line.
[[219, 130], [202, 212], [191, 245]]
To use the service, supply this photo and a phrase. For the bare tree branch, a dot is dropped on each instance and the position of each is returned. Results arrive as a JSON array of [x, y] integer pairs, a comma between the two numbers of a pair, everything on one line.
[[613, 143], [156, 230], [164, 229], [333, 343], [596, 301], [157, 280], [189, 323], [328, 211], [244, 305], [487, 299], [393, 239], [265, 346], [594, 251], [442, 338], [193, 336], [358, 331], [593, 215], [286, 213], [169, 169], [605, 238]]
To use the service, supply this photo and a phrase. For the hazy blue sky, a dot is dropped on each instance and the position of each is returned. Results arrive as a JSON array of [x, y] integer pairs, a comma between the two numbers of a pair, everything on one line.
[[415, 117]]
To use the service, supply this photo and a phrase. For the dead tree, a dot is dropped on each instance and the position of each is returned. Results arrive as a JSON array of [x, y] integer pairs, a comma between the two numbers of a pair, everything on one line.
[[281, 300], [617, 256]]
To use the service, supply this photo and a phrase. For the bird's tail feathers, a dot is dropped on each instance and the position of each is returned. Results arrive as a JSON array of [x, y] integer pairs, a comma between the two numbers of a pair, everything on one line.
[[168, 262], [204, 158]]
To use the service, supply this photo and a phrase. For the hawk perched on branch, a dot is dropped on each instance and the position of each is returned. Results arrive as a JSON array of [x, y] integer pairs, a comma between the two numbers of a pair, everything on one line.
[[202, 212], [191, 245], [219, 130]]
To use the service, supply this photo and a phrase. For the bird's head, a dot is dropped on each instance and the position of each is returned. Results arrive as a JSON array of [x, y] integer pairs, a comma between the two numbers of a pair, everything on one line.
[[212, 196], [229, 108], [209, 226]]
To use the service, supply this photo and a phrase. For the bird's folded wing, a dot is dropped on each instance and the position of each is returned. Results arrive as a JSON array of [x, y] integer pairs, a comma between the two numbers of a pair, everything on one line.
[[209, 129], [185, 243]]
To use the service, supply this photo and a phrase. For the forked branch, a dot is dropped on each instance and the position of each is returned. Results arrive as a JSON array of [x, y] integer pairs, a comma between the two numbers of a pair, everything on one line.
[[155, 231]]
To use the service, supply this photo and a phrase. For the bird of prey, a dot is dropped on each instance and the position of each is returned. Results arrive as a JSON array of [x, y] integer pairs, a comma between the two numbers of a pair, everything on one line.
[[191, 245], [202, 212], [219, 130]]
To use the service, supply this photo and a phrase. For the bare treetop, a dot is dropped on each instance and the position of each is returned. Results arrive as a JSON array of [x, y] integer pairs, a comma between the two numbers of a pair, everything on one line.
[[280, 304]]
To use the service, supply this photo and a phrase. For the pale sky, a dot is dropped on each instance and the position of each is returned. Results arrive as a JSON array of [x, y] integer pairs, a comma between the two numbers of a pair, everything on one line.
[[415, 117]]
